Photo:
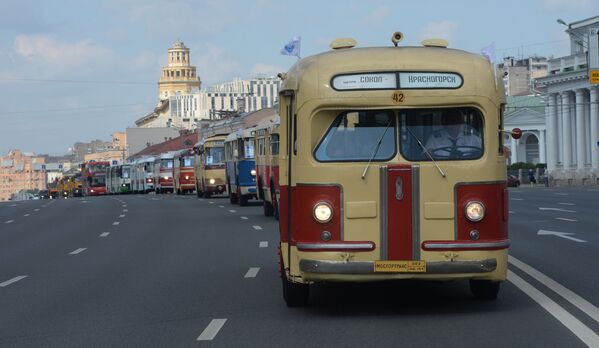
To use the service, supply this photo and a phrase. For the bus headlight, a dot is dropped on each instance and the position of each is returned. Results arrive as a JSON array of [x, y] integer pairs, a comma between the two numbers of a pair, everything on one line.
[[212, 181], [186, 177], [253, 172], [150, 180], [475, 211], [165, 177], [323, 212]]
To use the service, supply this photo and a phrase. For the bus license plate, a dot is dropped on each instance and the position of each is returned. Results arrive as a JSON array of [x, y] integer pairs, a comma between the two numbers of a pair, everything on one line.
[[400, 266]]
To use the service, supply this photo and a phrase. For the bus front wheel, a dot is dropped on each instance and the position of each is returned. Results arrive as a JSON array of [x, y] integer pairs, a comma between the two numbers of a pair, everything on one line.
[[268, 208], [484, 289]]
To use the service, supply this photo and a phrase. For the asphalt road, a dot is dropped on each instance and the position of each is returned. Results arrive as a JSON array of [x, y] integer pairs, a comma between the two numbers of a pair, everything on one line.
[[172, 271]]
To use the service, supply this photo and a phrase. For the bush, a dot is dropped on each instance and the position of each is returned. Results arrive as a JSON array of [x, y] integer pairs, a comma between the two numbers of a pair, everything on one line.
[[522, 165]]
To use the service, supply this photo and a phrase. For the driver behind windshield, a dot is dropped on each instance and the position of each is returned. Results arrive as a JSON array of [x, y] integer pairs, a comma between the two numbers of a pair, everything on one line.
[[453, 141]]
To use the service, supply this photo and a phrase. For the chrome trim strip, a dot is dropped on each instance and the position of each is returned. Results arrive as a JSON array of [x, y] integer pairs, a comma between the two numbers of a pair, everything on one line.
[[367, 267], [335, 246], [477, 245], [416, 212], [383, 199]]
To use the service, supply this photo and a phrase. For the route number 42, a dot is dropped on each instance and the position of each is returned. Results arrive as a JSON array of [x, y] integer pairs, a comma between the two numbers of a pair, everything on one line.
[[398, 97]]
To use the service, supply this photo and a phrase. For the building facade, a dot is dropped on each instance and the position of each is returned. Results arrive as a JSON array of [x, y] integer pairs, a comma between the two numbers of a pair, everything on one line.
[[519, 74], [572, 112], [528, 114], [20, 171], [179, 76], [94, 146]]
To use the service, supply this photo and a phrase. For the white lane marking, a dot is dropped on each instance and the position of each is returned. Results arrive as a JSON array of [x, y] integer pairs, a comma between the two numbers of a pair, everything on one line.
[[256, 227], [516, 199], [511, 211], [244, 218], [221, 206], [559, 289], [566, 203], [125, 210], [233, 211], [565, 219], [252, 272], [565, 235], [558, 209], [13, 280], [36, 210], [9, 221], [560, 194], [581, 331], [124, 205], [13, 205], [211, 202], [104, 234], [122, 215], [84, 202], [75, 252], [26, 214], [116, 223], [211, 330], [264, 244]]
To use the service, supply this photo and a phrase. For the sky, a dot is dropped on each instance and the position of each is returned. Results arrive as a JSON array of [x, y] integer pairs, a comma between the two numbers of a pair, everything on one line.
[[74, 71]]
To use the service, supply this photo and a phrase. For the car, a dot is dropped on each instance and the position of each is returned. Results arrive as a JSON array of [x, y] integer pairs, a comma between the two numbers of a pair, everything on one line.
[[513, 181], [44, 194]]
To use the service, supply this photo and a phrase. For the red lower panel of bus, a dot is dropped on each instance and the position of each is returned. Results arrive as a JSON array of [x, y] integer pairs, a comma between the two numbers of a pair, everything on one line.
[[494, 197], [304, 227], [399, 212]]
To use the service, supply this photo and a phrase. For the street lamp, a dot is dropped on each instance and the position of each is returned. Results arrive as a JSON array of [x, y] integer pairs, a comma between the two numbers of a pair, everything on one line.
[[561, 21], [569, 31]]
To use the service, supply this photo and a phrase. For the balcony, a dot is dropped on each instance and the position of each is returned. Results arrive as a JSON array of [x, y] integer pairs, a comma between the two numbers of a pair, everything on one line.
[[567, 64]]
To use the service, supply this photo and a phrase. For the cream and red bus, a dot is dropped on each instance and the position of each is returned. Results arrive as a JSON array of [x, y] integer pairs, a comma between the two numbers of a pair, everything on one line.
[[392, 167], [266, 143], [183, 172]]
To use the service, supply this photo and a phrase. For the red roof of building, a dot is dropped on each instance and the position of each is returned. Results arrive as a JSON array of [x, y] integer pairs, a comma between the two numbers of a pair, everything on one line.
[[179, 143]]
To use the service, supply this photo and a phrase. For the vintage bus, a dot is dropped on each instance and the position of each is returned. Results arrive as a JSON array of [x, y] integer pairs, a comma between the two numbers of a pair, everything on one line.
[[240, 166], [118, 179], [163, 172], [209, 166], [93, 178], [183, 171], [142, 172], [392, 167], [266, 143]]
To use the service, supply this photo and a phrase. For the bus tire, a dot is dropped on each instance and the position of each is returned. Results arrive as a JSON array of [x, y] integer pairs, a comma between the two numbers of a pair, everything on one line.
[[484, 289], [273, 199], [294, 294], [243, 200], [268, 208]]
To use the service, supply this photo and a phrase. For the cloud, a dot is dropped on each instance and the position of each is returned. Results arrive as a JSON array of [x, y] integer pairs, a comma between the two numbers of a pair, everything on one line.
[[215, 64], [566, 4], [377, 15], [266, 70], [444, 30]]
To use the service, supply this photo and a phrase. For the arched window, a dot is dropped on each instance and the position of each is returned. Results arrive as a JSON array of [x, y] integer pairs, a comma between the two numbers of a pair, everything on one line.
[[532, 148]]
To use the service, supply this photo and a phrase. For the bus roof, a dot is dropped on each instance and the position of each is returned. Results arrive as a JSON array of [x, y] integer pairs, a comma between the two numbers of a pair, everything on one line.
[[212, 138], [241, 133], [312, 76]]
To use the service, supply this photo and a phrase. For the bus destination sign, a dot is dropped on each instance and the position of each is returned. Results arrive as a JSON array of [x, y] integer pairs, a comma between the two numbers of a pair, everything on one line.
[[397, 80]]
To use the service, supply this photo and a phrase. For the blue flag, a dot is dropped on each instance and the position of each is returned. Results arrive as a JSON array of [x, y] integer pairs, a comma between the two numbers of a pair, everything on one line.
[[489, 52], [292, 48]]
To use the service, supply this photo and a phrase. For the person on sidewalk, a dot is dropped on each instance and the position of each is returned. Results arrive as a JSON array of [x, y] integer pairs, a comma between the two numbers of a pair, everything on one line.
[[531, 177]]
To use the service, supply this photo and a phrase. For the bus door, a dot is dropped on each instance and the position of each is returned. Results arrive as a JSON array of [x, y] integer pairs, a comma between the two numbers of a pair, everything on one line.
[[399, 239]]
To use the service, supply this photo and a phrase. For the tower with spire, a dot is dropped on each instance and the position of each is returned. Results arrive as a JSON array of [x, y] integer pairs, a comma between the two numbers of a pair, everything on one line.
[[179, 76]]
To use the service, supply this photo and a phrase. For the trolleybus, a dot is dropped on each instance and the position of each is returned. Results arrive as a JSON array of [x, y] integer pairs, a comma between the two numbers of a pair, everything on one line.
[[240, 166], [209, 166], [266, 140], [392, 167], [183, 171], [93, 178]]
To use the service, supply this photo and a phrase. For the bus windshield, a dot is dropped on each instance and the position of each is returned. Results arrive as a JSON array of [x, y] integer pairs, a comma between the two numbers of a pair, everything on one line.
[[97, 181], [248, 148], [166, 163], [447, 134], [355, 135], [215, 155], [187, 162], [125, 173]]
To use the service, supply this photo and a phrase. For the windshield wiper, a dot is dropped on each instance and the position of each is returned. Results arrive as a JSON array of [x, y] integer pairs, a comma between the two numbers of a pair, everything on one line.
[[376, 149], [426, 151]]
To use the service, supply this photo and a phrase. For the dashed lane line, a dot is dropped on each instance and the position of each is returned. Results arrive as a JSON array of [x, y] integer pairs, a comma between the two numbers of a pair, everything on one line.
[[560, 194], [511, 211], [263, 244], [221, 206], [125, 210], [11, 281], [582, 304], [211, 330], [252, 272], [516, 199], [77, 251], [104, 234], [211, 202], [244, 218], [36, 209], [26, 214], [116, 223], [122, 215], [565, 219], [563, 203], [9, 221], [256, 227], [232, 211]]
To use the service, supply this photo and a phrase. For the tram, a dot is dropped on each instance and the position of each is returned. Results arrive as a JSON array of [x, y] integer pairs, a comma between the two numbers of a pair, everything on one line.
[[209, 166], [183, 171], [163, 172], [93, 178], [266, 143], [240, 166], [392, 167]]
